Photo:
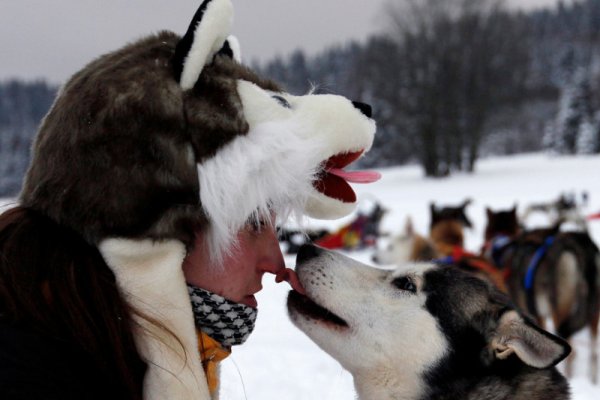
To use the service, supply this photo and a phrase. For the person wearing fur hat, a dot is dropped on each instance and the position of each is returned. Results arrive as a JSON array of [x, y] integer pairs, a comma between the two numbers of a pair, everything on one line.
[[223, 296], [147, 218]]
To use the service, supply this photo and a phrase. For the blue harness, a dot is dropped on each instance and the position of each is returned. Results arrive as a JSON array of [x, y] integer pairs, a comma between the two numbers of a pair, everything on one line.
[[499, 243], [535, 261], [444, 260]]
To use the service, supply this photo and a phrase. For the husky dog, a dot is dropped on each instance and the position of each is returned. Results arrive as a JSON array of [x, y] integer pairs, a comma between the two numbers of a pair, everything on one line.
[[445, 247], [566, 209], [446, 226], [168, 135], [424, 332], [450, 212], [501, 222], [406, 246], [551, 274]]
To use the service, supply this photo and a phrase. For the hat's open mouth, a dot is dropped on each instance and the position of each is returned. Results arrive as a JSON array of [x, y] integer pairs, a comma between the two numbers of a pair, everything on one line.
[[333, 180]]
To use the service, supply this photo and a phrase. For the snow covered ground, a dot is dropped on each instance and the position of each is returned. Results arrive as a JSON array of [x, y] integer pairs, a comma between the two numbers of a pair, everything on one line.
[[279, 362]]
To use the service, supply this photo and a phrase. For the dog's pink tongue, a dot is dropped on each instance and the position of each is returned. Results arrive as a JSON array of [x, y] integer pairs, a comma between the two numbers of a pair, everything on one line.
[[356, 176], [289, 275]]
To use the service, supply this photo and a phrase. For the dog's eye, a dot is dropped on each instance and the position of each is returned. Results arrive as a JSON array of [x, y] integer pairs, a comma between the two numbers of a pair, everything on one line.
[[405, 283], [282, 101]]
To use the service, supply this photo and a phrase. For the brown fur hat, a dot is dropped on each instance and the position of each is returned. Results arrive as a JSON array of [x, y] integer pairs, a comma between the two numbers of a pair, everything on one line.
[[168, 135]]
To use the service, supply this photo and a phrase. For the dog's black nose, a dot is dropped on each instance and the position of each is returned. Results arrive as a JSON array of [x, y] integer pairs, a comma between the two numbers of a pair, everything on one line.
[[364, 108], [306, 252]]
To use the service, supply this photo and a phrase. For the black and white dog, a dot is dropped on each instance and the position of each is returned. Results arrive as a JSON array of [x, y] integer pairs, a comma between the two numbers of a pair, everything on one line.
[[423, 332]]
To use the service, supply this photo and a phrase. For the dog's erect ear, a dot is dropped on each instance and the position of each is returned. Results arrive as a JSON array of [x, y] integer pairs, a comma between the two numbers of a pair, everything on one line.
[[433, 211], [432, 207], [534, 346], [408, 227], [489, 213], [204, 38], [466, 221], [465, 203], [463, 214]]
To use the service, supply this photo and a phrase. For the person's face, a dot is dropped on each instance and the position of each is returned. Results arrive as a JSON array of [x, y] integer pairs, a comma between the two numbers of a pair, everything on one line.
[[240, 276]]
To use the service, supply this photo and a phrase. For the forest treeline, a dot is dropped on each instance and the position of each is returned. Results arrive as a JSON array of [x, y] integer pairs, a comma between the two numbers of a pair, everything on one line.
[[449, 81], [22, 107]]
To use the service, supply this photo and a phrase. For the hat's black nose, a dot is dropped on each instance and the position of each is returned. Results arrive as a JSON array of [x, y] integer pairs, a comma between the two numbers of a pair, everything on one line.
[[306, 252], [364, 108]]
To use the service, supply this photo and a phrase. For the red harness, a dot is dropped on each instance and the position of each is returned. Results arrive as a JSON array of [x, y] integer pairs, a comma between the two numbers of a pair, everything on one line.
[[594, 216], [498, 277]]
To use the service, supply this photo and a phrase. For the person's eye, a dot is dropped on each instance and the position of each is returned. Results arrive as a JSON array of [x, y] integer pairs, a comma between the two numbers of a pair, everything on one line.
[[257, 225], [405, 283]]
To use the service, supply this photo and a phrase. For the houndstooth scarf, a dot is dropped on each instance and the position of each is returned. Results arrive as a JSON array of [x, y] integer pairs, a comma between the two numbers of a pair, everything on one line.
[[227, 322]]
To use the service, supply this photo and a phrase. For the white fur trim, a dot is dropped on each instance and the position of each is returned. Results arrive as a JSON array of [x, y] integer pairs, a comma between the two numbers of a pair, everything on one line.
[[268, 169], [322, 207], [209, 36], [150, 278]]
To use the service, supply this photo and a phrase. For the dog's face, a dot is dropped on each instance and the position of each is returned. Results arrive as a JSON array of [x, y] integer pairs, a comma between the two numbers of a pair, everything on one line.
[[452, 213], [171, 133], [368, 319], [401, 326], [502, 222], [399, 249]]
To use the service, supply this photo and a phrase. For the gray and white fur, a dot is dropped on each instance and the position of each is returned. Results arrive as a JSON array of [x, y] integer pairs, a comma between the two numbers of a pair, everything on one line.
[[424, 332]]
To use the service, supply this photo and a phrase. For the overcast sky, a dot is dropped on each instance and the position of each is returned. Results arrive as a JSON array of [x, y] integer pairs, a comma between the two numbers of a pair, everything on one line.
[[52, 39]]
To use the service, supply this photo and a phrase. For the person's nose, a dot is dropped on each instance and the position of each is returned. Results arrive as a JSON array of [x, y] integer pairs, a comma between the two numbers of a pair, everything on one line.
[[272, 260]]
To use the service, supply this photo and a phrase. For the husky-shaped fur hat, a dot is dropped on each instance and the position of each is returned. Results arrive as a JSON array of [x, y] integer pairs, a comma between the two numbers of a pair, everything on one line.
[[169, 134]]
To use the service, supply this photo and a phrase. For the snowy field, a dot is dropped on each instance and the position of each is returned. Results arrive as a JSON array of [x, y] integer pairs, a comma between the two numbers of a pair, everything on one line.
[[279, 362]]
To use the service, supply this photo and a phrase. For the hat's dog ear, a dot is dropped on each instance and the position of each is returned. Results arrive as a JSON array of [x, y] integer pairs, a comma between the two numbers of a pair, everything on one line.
[[205, 37]]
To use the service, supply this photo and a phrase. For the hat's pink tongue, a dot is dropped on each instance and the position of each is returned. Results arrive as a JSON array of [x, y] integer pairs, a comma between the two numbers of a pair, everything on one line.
[[356, 176]]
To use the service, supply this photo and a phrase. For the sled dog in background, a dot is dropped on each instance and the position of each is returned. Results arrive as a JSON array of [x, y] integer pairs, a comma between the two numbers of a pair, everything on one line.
[[566, 209], [447, 225], [501, 223], [447, 234], [550, 274], [405, 247], [424, 332]]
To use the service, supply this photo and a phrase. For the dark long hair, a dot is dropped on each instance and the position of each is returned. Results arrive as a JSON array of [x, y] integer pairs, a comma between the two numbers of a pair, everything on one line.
[[53, 281]]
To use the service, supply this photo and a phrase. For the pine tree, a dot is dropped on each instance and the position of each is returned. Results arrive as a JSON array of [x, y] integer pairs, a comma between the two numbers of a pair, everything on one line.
[[575, 113], [549, 138], [22, 106], [587, 137]]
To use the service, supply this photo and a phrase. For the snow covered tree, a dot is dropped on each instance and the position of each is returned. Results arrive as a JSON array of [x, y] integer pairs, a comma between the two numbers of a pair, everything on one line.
[[455, 55], [587, 138], [574, 115], [22, 106], [549, 138]]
